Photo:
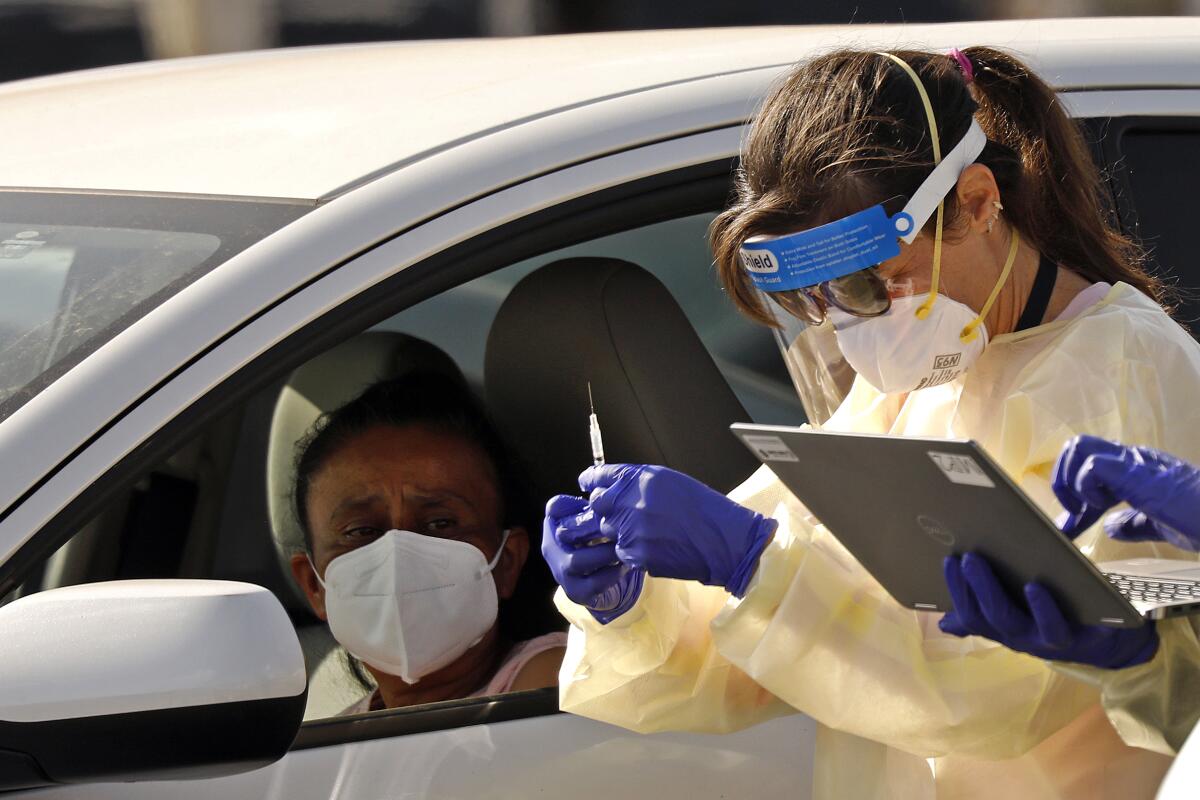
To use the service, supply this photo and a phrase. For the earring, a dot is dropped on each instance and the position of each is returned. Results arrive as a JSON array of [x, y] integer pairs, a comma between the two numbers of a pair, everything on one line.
[[996, 205]]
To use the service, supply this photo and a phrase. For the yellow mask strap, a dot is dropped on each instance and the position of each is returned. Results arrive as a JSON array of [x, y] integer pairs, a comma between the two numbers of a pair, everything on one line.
[[972, 330], [924, 308]]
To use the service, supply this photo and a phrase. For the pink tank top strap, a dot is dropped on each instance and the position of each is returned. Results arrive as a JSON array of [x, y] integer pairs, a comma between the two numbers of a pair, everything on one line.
[[521, 654]]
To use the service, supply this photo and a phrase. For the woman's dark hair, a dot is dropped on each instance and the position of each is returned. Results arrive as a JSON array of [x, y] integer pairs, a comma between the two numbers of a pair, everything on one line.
[[442, 404], [848, 130]]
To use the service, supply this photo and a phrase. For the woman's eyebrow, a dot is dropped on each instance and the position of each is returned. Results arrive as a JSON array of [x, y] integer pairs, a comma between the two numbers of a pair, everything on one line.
[[438, 496], [354, 504]]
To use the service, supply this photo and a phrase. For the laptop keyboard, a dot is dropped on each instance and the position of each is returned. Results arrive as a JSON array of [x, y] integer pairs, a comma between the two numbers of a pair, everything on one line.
[[1149, 590]]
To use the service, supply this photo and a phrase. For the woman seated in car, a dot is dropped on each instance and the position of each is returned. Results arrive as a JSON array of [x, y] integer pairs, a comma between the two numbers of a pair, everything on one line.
[[411, 517]]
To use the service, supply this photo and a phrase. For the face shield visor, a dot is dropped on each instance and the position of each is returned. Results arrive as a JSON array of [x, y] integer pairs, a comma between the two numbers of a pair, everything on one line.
[[830, 272]]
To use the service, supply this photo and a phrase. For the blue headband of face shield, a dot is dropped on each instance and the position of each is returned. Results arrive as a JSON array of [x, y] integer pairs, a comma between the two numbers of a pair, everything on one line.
[[859, 241]]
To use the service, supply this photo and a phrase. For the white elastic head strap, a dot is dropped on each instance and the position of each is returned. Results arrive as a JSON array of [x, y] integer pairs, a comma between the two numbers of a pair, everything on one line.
[[939, 183]]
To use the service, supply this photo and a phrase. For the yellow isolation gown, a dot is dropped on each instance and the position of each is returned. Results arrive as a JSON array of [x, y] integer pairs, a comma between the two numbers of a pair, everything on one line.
[[904, 710]]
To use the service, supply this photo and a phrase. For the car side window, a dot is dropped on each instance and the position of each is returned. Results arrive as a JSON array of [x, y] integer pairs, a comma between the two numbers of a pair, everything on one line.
[[1156, 160]]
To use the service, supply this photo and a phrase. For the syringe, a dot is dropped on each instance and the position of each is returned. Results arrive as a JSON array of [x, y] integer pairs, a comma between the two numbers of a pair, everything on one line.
[[610, 597], [594, 431]]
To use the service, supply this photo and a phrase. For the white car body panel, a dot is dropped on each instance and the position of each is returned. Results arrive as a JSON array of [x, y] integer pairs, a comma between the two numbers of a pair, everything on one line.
[[305, 122], [1160, 102], [562, 756]]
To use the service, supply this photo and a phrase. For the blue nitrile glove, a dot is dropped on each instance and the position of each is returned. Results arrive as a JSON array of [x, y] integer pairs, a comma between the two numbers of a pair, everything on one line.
[[587, 569], [673, 526], [982, 607], [1092, 475]]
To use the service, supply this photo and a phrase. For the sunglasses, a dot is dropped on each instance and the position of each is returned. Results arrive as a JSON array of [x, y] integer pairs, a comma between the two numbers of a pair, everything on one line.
[[861, 294]]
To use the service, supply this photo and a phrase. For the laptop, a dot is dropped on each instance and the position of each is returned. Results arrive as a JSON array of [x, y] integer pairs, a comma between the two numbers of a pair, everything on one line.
[[900, 505]]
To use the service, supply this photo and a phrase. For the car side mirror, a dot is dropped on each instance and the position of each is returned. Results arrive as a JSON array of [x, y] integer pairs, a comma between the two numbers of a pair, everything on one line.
[[146, 679]]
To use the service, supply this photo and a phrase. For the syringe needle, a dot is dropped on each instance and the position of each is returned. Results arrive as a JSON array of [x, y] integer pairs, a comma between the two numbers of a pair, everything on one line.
[[594, 431]]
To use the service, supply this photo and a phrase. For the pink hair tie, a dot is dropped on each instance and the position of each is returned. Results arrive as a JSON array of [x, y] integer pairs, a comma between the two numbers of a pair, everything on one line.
[[964, 63]]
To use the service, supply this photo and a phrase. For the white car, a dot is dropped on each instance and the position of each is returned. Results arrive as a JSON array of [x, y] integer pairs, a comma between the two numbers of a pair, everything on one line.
[[198, 256]]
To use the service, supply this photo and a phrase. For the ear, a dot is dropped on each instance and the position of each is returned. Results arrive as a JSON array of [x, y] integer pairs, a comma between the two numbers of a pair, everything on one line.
[[302, 571], [512, 561], [977, 194]]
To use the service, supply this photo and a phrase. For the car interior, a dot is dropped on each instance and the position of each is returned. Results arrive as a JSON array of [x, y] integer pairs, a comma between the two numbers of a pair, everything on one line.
[[636, 314]]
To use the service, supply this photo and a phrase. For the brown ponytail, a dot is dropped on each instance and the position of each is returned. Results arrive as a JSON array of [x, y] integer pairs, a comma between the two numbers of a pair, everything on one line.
[[847, 130], [1056, 200]]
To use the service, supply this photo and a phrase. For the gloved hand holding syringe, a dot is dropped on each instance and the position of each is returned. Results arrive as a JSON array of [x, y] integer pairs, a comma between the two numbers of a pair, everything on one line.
[[711, 538]]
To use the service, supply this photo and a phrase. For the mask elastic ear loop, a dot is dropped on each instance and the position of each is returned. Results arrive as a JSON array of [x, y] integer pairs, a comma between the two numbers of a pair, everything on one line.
[[499, 551], [313, 564], [969, 333], [923, 310]]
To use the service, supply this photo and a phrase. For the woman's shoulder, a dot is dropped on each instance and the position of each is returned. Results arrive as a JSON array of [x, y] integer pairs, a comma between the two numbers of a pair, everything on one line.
[[1138, 311], [531, 664], [1135, 322]]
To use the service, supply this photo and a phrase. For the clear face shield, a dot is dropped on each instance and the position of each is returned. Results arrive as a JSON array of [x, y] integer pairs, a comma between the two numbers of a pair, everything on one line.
[[821, 283], [820, 373]]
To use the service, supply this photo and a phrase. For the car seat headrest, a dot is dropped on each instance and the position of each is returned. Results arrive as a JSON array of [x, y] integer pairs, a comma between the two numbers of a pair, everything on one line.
[[659, 396], [320, 385]]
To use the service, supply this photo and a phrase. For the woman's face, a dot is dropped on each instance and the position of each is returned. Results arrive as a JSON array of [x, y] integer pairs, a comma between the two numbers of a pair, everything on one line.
[[972, 257], [412, 479]]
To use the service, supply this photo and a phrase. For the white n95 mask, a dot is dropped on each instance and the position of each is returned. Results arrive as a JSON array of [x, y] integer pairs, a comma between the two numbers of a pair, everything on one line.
[[409, 604], [900, 352]]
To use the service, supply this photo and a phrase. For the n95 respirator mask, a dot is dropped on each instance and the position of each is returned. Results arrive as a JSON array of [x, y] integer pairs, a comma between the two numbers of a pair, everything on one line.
[[902, 352], [408, 604]]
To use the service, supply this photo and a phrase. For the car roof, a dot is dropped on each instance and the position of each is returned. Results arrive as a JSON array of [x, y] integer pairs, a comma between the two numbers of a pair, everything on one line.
[[308, 122]]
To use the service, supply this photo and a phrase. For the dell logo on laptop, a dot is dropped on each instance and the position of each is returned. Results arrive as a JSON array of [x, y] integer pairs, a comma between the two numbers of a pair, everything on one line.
[[935, 530]]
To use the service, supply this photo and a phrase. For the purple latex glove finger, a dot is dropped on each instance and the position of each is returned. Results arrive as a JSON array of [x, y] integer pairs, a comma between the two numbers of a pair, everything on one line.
[[951, 624], [585, 561], [596, 587], [1100, 474], [579, 530], [966, 610], [1074, 453], [603, 476], [1079, 516], [1052, 626], [1134, 526], [564, 505], [606, 484], [998, 607]]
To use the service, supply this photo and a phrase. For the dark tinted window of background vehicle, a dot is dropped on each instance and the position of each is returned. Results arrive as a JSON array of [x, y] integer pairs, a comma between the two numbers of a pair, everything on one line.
[[77, 269], [1161, 168]]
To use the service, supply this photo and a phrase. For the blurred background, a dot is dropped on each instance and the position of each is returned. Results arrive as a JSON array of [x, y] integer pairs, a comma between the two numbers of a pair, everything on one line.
[[39, 37]]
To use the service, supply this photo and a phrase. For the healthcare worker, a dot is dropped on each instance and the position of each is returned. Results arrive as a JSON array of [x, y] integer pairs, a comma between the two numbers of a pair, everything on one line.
[[1153, 705], [934, 223]]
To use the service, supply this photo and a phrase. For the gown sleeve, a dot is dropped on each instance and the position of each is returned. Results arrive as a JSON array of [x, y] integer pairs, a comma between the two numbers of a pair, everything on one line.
[[1157, 704]]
